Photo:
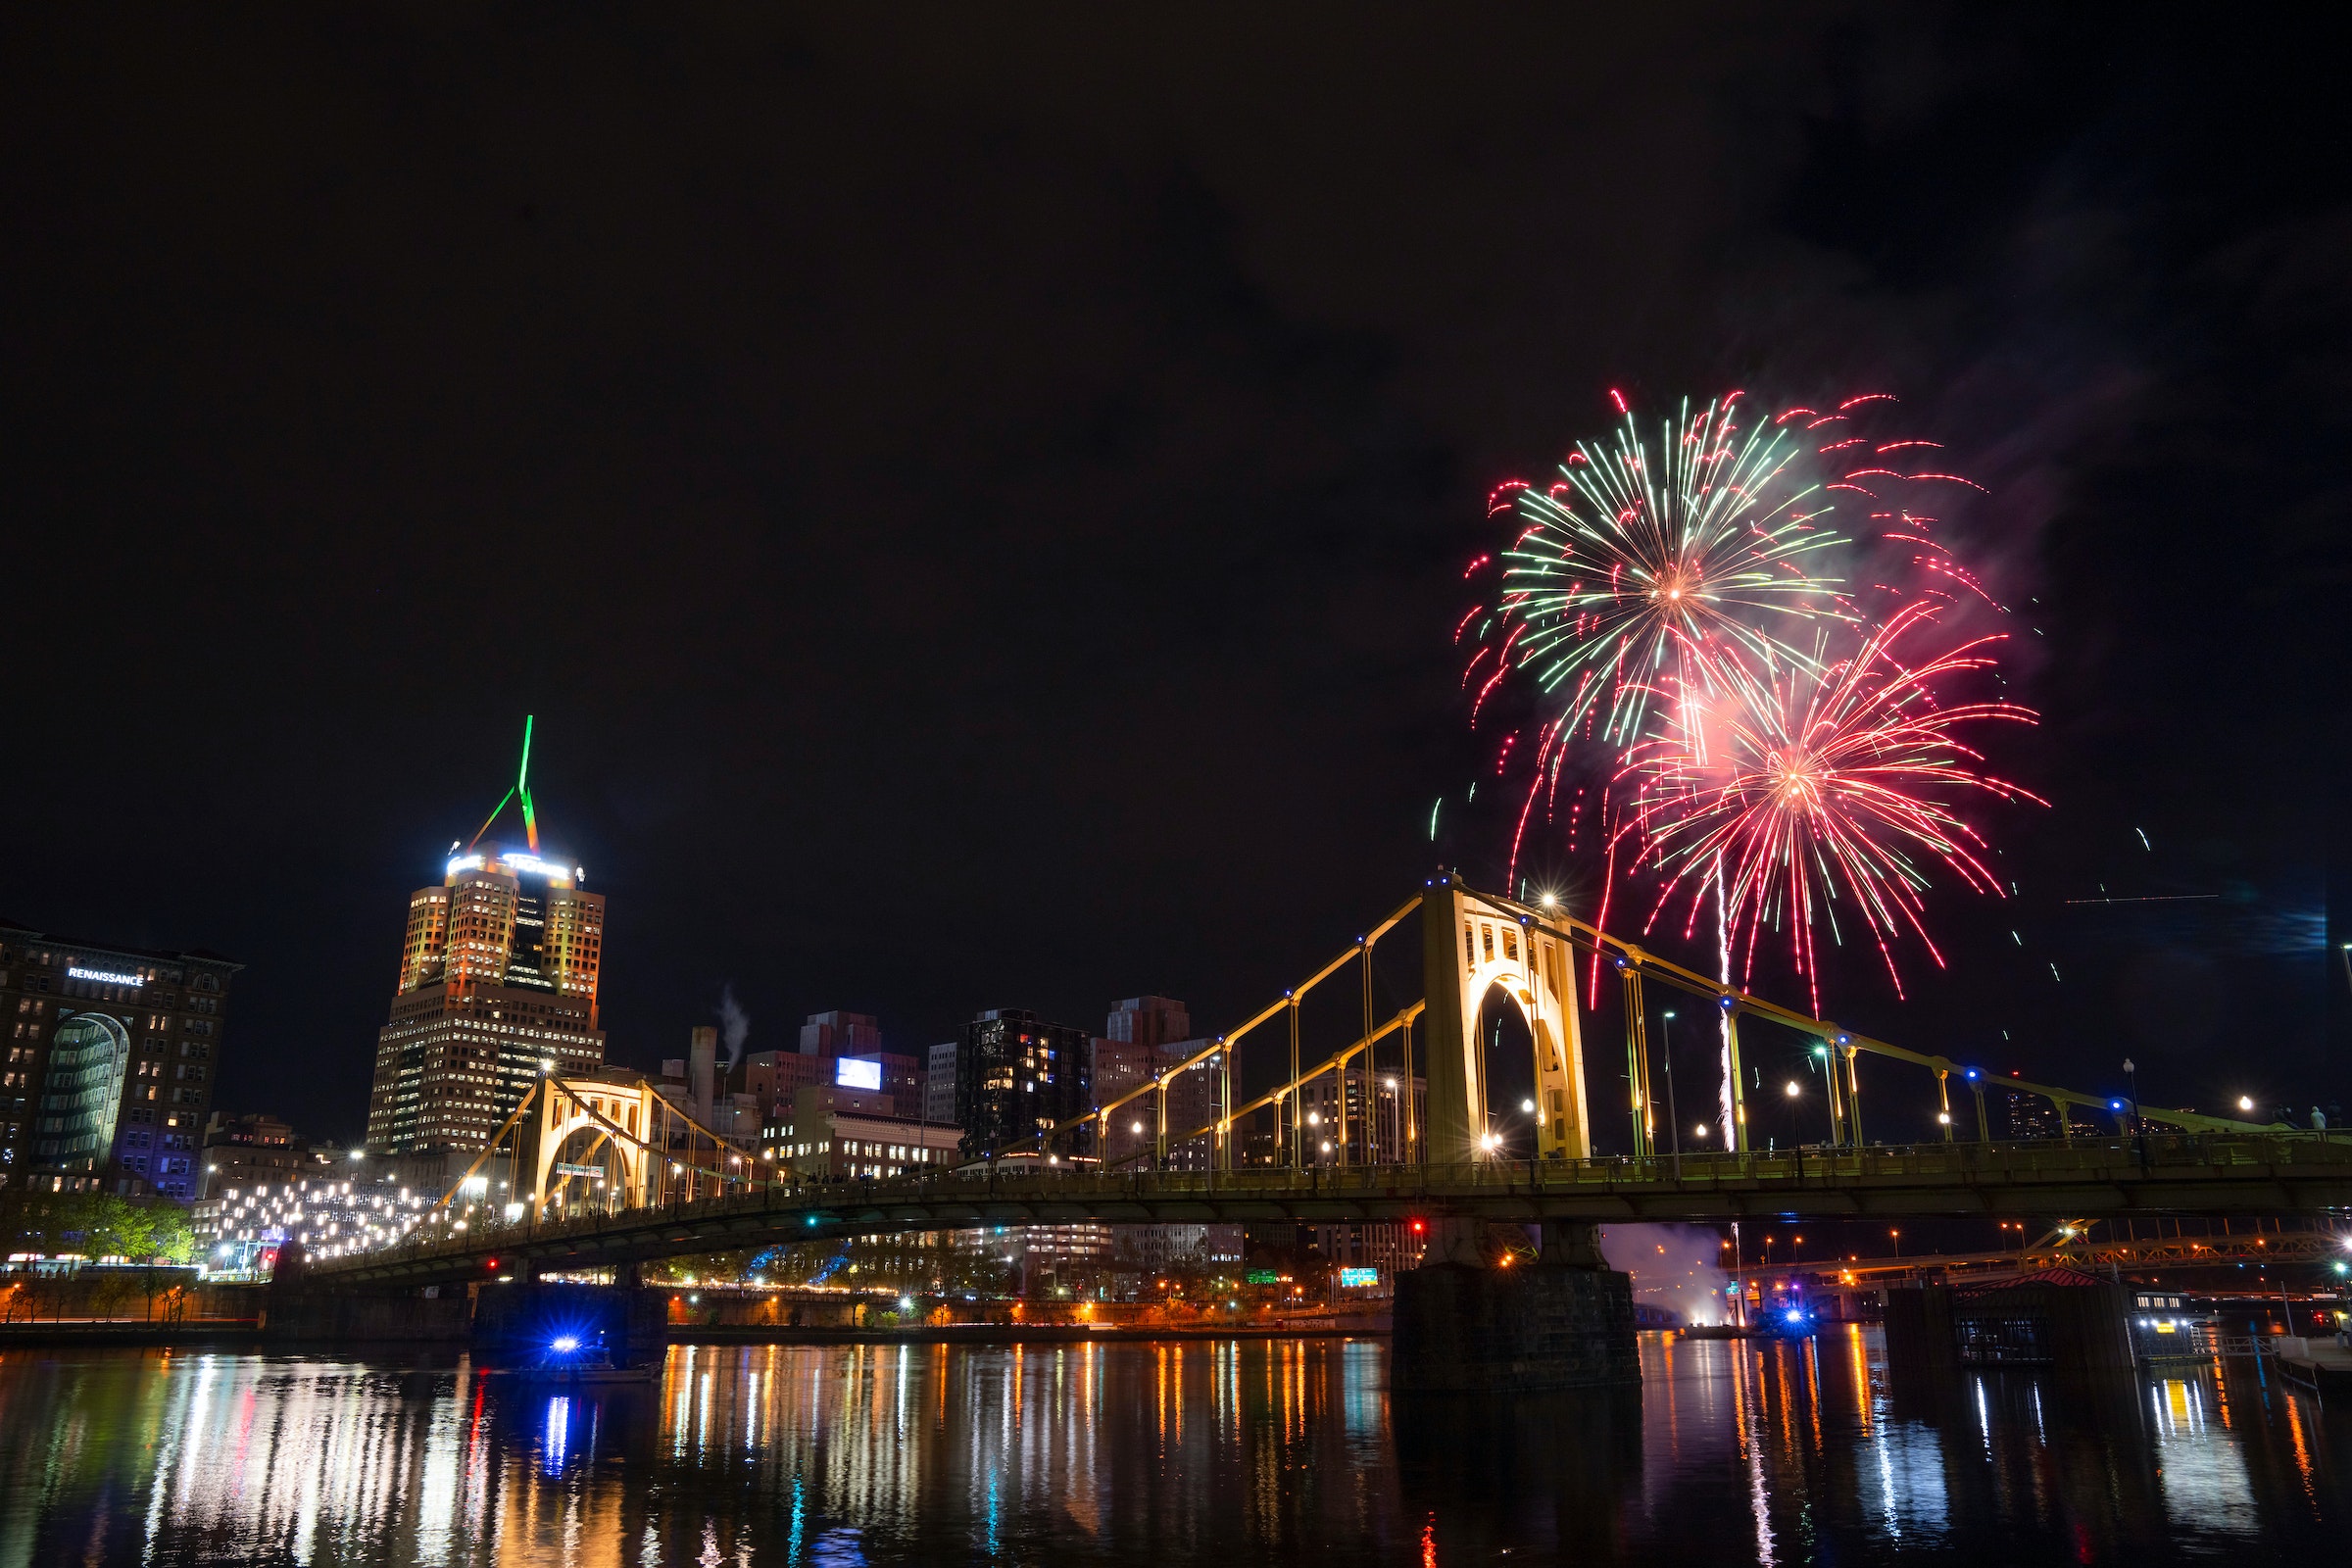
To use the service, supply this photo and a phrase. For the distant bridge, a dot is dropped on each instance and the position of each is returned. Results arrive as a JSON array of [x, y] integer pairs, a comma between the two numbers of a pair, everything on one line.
[[2081, 1245], [2175, 1174]]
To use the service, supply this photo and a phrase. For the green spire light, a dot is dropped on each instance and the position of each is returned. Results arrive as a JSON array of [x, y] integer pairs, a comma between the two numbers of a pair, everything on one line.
[[522, 787]]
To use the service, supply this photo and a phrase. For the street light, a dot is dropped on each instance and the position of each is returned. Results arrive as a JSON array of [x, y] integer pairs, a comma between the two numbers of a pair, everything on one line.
[[2245, 1102]]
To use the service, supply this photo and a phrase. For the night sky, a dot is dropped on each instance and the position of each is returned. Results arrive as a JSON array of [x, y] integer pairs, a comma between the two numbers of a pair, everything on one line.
[[977, 506]]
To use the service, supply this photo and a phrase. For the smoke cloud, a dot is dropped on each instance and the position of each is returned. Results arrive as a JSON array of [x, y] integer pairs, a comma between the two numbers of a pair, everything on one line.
[[734, 1024], [1674, 1266]]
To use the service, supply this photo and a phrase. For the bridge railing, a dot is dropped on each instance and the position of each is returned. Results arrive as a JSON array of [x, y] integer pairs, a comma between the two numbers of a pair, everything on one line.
[[957, 1193]]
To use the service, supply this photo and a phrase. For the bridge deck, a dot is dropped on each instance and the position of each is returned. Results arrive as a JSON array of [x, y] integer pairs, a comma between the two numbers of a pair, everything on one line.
[[2174, 1175]]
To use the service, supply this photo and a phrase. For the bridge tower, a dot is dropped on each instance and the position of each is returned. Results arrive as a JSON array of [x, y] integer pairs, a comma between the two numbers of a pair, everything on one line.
[[1470, 944], [587, 1141], [1463, 1324]]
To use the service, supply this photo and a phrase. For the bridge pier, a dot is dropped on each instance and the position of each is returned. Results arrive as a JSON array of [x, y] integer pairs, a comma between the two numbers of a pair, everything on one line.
[[1466, 1322]]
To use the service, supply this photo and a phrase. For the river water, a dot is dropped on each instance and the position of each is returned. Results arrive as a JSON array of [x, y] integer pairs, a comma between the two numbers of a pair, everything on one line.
[[1228, 1452]]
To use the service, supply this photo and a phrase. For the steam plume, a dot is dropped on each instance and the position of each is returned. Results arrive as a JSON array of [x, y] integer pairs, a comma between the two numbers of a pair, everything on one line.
[[734, 1024], [1674, 1266]]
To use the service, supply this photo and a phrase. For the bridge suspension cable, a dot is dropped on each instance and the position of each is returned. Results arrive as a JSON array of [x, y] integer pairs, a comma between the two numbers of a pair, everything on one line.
[[1837, 1051], [1737, 1001]]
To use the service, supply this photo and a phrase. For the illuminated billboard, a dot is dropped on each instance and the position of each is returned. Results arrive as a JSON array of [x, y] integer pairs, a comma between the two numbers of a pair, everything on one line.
[[1353, 1279], [850, 1073]]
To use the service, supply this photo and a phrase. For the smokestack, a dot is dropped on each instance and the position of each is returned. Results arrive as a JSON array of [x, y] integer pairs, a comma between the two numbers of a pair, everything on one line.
[[701, 1071]]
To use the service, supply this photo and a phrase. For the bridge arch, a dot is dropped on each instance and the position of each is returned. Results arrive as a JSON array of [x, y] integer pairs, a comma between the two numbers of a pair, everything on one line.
[[585, 1122], [589, 1169], [1472, 945]]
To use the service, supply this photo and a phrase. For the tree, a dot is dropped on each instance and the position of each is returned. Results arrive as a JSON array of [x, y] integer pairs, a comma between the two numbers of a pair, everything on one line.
[[100, 1225]]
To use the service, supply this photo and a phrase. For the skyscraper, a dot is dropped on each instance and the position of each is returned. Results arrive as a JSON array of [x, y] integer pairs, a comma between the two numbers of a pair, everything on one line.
[[498, 978], [840, 1034], [106, 1062], [1144, 1039], [939, 1084], [1017, 1075], [1148, 1021]]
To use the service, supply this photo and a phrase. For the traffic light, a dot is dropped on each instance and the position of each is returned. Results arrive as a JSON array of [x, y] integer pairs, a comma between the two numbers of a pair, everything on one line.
[[1420, 1226]]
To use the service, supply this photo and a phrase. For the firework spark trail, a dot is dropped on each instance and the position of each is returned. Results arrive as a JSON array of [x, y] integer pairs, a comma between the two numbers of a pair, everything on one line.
[[1668, 576], [1645, 565], [1822, 785], [1648, 557], [1669, 605]]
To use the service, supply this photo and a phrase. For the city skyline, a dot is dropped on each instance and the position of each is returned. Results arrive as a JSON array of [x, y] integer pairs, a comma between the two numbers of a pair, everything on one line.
[[1280, 784]]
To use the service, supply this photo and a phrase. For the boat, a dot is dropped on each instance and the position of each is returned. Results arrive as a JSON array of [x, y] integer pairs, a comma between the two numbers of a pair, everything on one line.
[[569, 1361], [1792, 1320], [580, 1377]]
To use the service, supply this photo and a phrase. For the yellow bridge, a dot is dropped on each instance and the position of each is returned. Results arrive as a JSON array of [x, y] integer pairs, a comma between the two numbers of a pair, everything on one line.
[[2181, 1174], [673, 1186]]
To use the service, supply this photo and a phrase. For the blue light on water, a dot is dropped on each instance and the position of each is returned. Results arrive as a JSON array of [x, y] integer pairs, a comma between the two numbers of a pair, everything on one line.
[[558, 1432]]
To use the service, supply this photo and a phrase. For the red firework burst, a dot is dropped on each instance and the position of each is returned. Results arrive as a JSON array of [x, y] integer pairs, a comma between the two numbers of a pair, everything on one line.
[[1808, 786]]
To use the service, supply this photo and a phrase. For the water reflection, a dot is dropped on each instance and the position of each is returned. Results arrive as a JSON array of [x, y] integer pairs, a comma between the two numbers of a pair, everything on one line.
[[1252, 1450]]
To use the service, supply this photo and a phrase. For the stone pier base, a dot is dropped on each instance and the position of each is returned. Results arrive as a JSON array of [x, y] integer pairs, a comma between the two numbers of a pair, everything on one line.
[[1466, 1329]]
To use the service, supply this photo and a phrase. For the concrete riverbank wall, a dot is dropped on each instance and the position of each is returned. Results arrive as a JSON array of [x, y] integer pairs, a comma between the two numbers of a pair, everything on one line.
[[126, 1296]]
